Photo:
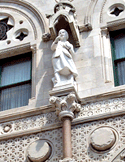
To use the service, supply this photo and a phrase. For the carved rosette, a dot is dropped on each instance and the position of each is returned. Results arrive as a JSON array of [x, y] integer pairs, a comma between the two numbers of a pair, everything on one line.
[[65, 106]]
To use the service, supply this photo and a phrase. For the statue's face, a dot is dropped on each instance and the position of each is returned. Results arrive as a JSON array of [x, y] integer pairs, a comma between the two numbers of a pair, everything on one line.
[[63, 34]]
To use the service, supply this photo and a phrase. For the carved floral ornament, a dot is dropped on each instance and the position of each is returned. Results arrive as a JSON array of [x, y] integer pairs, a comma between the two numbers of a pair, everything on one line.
[[65, 106]]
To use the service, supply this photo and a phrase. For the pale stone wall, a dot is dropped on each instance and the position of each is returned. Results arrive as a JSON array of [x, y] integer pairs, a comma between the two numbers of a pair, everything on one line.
[[95, 84]]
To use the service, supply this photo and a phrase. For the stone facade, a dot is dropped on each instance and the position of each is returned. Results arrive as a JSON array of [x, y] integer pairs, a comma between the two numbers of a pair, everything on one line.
[[91, 110]]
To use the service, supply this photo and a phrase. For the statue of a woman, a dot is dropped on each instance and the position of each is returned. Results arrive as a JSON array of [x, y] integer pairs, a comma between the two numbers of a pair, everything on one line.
[[63, 65]]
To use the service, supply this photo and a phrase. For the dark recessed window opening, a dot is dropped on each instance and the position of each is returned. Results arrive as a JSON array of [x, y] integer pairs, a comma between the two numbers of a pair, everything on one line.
[[15, 81], [118, 55]]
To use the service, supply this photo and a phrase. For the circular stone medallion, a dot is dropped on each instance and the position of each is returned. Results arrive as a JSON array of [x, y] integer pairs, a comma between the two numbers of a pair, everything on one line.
[[102, 139], [39, 151]]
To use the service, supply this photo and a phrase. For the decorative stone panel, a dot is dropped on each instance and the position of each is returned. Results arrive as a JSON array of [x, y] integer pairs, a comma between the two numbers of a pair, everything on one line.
[[38, 122], [102, 107], [81, 144], [15, 149], [29, 123]]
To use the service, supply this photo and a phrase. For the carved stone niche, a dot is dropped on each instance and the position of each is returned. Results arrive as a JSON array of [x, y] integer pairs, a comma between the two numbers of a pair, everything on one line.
[[64, 17]]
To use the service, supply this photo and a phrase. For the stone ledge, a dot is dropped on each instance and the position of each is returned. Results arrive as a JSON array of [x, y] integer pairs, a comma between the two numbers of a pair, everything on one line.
[[22, 112], [59, 125], [67, 160], [116, 92]]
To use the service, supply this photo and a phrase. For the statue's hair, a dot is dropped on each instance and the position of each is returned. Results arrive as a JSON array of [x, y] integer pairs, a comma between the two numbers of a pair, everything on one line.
[[67, 35]]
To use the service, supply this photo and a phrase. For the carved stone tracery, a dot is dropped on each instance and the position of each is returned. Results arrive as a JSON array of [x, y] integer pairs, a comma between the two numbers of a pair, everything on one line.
[[4, 28]]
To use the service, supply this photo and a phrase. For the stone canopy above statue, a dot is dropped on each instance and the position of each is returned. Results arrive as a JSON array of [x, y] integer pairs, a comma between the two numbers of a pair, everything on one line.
[[64, 17]]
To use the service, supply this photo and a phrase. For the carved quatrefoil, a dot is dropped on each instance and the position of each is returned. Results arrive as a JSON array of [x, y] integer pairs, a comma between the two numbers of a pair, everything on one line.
[[116, 11]]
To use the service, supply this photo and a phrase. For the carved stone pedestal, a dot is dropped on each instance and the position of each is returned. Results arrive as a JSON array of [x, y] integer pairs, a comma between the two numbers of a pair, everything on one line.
[[64, 89]]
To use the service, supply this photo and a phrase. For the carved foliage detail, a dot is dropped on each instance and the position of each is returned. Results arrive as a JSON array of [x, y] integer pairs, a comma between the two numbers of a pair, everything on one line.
[[67, 103]]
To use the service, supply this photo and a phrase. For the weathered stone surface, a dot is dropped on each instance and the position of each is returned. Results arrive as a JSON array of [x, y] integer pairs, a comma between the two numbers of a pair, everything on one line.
[[38, 151], [102, 139], [67, 160]]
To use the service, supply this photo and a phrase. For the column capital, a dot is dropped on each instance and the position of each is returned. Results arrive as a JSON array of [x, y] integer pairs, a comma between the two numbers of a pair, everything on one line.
[[65, 105]]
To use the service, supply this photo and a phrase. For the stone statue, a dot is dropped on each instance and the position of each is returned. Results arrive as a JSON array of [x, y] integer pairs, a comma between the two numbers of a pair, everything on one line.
[[63, 65]]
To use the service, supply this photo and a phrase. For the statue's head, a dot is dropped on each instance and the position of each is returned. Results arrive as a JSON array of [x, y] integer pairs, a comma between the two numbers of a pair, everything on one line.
[[63, 34]]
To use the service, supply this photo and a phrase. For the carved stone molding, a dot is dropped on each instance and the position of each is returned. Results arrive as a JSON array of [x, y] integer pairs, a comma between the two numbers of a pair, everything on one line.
[[15, 50], [33, 48], [65, 106]]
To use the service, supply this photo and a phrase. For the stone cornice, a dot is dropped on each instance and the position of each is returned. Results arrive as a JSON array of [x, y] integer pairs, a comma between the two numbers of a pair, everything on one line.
[[114, 93], [23, 112], [16, 49]]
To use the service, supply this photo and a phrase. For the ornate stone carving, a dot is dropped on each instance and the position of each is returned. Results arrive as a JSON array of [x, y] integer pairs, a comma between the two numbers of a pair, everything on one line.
[[65, 106], [102, 139], [67, 11], [5, 27], [7, 128], [102, 107], [63, 65], [46, 37], [15, 148], [85, 27], [31, 8], [38, 151]]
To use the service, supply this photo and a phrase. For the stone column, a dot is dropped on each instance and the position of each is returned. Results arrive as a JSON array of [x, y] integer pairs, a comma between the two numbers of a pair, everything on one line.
[[106, 51], [65, 109]]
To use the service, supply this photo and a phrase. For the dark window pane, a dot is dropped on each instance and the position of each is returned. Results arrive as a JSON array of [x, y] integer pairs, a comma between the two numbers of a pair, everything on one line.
[[16, 73], [121, 72], [15, 96], [15, 81], [120, 47], [118, 55]]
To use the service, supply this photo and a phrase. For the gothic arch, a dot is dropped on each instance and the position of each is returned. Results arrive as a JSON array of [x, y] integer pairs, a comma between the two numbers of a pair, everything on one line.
[[26, 9]]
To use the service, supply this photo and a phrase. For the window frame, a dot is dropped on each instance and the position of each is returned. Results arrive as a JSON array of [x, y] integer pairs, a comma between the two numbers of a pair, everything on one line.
[[114, 59], [27, 56]]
